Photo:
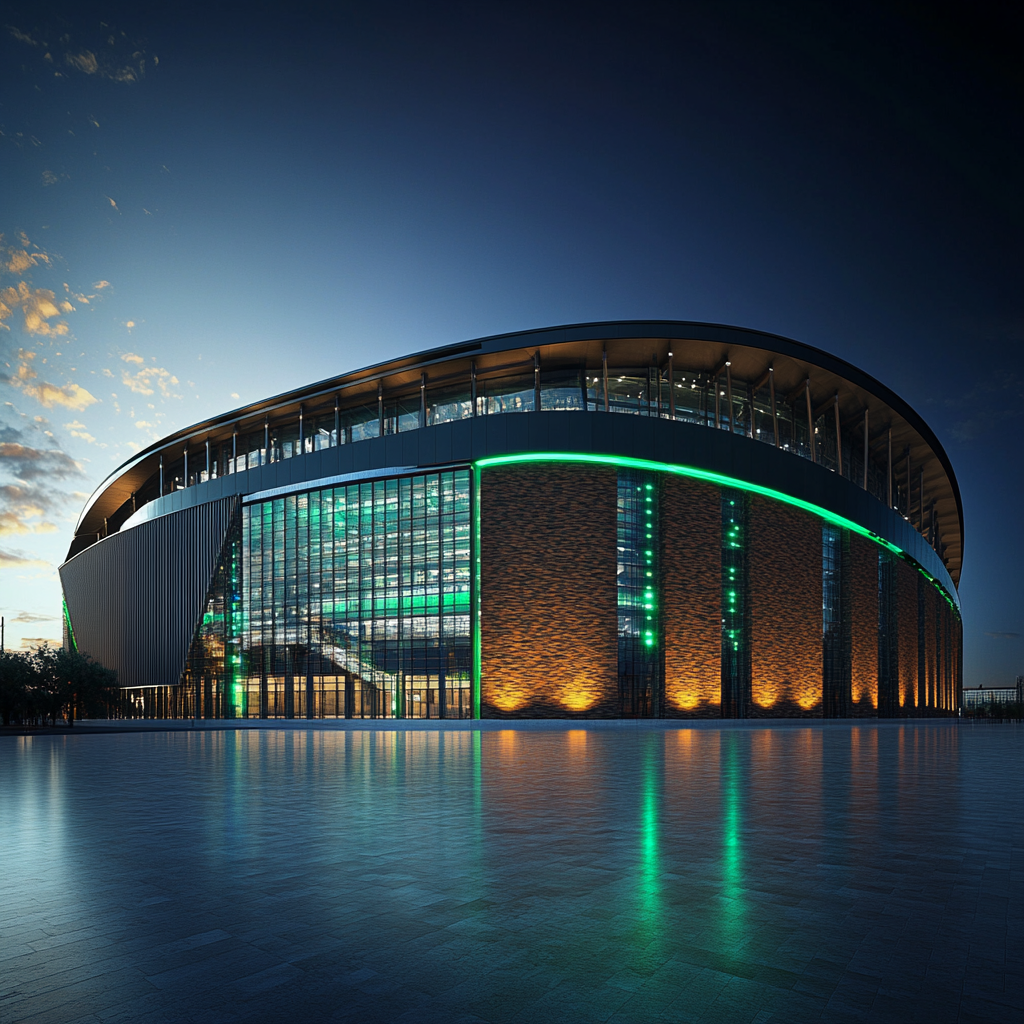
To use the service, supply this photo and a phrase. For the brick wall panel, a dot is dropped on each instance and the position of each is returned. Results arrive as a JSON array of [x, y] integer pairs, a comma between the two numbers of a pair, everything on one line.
[[691, 575], [906, 613], [549, 617], [784, 559], [863, 626]]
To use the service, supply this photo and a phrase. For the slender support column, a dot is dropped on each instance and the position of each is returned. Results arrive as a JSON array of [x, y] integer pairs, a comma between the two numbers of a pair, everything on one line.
[[810, 420], [207, 458], [728, 396], [604, 370], [184, 481], [266, 440], [671, 389], [472, 384], [910, 486], [536, 382], [920, 500], [380, 408], [133, 502], [888, 465], [718, 405], [583, 387], [302, 433], [423, 399], [750, 411], [161, 476], [775, 413], [337, 421], [839, 435], [234, 450], [866, 426]]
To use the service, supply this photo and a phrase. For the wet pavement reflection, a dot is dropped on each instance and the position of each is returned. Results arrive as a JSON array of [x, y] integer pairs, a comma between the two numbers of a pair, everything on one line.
[[834, 873]]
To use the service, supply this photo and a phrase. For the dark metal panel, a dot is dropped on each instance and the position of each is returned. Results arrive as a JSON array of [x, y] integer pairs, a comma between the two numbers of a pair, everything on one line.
[[135, 597]]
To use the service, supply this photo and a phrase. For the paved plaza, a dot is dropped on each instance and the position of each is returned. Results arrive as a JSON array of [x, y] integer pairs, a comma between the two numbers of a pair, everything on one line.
[[827, 872]]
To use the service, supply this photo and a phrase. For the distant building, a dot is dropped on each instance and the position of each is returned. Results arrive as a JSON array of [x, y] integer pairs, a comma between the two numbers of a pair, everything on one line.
[[975, 697], [639, 519]]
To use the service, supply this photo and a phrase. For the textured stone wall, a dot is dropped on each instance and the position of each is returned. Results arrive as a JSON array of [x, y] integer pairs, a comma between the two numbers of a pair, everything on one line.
[[931, 614], [863, 592], [549, 611], [784, 559], [691, 578], [906, 605], [549, 620]]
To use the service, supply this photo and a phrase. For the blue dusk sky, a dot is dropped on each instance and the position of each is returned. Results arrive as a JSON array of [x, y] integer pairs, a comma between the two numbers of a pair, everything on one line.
[[204, 205]]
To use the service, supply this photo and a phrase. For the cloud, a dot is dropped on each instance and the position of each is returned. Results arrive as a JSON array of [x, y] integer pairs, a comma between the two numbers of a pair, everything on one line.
[[12, 560], [70, 396], [85, 61], [27, 618], [1007, 635], [28, 463], [79, 430], [33, 643], [22, 37], [21, 503], [38, 306], [131, 357], [986, 407], [150, 379]]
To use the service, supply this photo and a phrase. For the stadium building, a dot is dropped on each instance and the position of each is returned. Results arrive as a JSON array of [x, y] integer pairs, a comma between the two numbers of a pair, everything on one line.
[[635, 519]]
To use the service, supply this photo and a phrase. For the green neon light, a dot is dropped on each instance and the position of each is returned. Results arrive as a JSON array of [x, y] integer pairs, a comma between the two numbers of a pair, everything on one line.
[[719, 479], [67, 621]]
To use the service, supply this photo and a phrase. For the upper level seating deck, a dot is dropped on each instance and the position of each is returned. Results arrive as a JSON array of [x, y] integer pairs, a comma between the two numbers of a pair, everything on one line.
[[762, 387]]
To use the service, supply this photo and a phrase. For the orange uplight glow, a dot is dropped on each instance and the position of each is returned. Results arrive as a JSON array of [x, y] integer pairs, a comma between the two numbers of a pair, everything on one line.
[[578, 695], [686, 699]]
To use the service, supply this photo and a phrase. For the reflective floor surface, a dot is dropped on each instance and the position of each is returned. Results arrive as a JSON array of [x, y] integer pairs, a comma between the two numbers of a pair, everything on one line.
[[833, 873]]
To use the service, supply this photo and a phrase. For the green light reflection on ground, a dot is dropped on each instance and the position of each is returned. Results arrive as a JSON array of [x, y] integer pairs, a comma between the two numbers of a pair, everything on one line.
[[733, 892]]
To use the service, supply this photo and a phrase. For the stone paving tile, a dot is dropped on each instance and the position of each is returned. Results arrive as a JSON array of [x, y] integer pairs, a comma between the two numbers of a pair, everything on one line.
[[784, 875]]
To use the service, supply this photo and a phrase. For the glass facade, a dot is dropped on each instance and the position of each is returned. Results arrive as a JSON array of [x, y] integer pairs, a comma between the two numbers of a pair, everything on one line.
[[344, 602], [835, 624], [735, 624], [638, 587]]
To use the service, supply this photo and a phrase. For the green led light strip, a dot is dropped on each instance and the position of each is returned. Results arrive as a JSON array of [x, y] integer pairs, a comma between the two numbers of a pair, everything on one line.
[[721, 480], [67, 620]]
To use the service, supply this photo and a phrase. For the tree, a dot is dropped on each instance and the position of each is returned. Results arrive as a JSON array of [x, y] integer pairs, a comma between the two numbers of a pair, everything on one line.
[[18, 677], [71, 683]]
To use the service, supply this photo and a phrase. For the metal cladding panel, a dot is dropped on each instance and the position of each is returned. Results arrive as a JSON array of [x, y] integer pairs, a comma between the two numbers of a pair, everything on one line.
[[135, 597]]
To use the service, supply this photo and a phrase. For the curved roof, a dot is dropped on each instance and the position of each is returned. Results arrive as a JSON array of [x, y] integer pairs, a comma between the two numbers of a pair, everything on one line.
[[694, 346]]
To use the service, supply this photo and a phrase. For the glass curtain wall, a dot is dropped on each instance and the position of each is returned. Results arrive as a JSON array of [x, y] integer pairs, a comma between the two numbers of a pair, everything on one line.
[[735, 622], [835, 547], [356, 602], [640, 648]]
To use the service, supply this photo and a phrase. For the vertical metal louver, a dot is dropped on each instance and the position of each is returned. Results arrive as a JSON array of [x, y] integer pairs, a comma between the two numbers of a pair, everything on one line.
[[134, 598]]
